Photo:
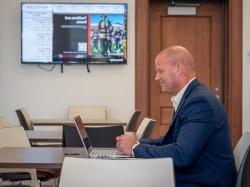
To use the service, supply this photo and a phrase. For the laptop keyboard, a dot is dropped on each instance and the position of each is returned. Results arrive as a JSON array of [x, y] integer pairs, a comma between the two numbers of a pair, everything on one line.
[[105, 152]]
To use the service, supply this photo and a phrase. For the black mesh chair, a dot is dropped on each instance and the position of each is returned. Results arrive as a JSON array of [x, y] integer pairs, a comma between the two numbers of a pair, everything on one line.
[[100, 136]]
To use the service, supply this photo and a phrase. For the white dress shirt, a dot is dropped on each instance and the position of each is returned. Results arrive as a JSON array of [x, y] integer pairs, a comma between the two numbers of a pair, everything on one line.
[[177, 98]]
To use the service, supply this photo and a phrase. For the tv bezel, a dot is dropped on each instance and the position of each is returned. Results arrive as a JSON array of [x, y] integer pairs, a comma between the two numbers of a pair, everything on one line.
[[85, 60]]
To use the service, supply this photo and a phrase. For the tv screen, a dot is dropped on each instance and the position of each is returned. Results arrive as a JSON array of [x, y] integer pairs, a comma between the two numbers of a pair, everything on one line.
[[67, 33]]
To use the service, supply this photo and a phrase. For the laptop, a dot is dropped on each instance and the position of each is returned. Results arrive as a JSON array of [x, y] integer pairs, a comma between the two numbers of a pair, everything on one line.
[[95, 152]]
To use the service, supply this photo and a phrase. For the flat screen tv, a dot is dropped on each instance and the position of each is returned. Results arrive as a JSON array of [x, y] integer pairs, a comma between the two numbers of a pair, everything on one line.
[[69, 33]]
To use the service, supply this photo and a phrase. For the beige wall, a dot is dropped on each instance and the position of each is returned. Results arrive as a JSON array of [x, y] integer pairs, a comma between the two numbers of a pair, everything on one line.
[[246, 66], [48, 94]]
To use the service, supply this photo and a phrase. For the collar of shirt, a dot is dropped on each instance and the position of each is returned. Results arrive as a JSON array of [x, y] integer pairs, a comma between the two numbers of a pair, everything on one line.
[[177, 98]]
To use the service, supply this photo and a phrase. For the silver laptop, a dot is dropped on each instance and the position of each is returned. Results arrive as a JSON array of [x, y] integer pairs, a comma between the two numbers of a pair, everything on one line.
[[95, 152]]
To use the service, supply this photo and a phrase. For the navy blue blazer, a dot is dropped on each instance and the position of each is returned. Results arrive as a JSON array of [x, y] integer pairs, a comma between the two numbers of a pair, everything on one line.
[[198, 141]]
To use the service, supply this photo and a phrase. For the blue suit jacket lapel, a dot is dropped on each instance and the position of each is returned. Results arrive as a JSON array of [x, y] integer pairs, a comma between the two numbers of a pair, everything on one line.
[[187, 92], [189, 89]]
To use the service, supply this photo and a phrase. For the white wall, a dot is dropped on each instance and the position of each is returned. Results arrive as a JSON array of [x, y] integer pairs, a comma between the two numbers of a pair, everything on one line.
[[48, 94], [246, 66]]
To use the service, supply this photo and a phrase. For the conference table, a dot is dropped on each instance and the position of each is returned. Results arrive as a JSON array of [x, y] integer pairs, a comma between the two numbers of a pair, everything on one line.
[[53, 136], [44, 136], [37, 157], [87, 122]]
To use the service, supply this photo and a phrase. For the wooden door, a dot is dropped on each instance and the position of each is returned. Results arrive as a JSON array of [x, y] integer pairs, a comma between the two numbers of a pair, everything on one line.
[[201, 34]]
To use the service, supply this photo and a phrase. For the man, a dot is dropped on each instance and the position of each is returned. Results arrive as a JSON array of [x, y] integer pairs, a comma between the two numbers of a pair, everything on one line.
[[198, 140], [103, 26]]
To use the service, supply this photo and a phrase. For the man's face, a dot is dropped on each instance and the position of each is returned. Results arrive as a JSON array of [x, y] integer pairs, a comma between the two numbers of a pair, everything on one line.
[[166, 74]]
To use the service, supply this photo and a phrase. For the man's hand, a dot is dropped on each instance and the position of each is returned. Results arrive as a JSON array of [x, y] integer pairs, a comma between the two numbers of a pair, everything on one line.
[[125, 143]]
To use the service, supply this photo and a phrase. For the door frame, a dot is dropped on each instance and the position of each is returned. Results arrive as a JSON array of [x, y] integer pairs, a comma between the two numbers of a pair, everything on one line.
[[232, 78]]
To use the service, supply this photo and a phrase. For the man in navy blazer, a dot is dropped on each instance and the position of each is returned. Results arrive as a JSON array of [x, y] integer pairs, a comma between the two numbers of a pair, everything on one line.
[[198, 139]]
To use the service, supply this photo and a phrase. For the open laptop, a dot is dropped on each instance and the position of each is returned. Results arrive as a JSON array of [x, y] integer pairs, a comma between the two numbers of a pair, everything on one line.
[[94, 152]]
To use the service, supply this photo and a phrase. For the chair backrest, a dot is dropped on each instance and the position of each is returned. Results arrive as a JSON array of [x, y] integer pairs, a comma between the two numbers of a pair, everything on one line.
[[87, 112], [100, 136], [243, 178], [132, 120], [4, 122], [80, 172], [145, 128], [104, 136], [240, 149], [71, 137], [14, 136], [24, 119]]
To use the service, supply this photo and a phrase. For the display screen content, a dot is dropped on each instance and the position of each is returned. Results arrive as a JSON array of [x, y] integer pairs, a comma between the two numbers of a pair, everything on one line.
[[74, 33]]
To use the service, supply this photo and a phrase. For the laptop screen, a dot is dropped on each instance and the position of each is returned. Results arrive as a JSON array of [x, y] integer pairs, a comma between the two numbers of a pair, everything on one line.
[[82, 133]]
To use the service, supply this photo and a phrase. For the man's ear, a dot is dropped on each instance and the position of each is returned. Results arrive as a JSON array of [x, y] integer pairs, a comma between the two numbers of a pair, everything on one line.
[[179, 68]]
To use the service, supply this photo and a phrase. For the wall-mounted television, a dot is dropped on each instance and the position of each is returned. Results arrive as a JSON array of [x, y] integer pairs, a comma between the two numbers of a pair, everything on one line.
[[69, 33]]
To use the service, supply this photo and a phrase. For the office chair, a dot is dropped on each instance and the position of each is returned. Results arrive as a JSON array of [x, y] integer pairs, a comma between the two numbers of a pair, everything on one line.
[[104, 136], [87, 112], [26, 122], [132, 121], [100, 136], [241, 148], [80, 172], [71, 137], [24, 119], [16, 137], [145, 128], [243, 177]]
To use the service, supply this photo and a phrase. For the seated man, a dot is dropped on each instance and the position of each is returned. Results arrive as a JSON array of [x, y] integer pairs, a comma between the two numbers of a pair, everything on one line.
[[198, 139]]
